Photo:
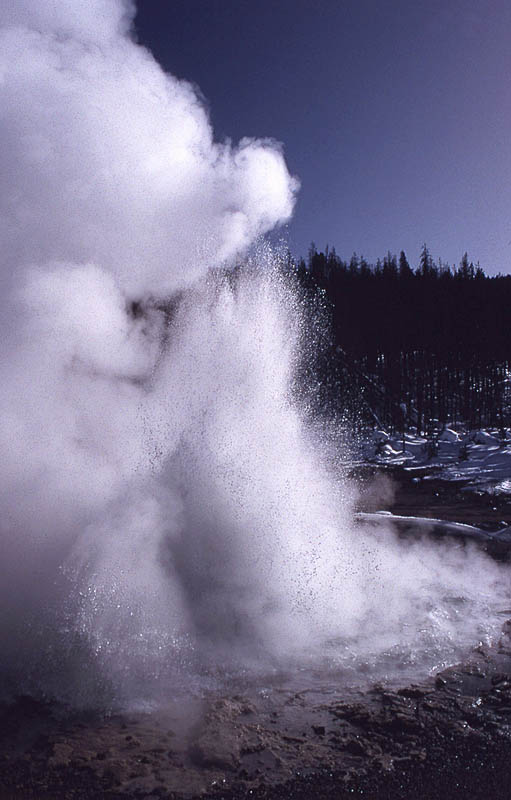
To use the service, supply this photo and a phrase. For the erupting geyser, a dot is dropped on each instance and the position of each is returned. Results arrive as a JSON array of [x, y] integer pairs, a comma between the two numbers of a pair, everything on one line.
[[164, 506]]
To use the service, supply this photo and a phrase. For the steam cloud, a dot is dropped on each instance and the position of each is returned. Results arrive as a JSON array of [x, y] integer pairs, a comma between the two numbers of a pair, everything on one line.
[[109, 161], [163, 505]]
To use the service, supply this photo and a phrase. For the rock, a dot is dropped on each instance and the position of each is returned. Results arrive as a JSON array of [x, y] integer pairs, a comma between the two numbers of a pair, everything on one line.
[[217, 747], [358, 746], [403, 722], [116, 772], [139, 770], [356, 712], [61, 755], [415, 692]]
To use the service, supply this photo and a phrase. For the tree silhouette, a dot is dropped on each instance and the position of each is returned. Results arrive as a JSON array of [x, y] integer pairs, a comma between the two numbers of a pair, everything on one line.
[[434, 340]]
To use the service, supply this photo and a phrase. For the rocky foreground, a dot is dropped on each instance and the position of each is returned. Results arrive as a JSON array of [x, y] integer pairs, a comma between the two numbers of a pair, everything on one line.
[[448, 737]]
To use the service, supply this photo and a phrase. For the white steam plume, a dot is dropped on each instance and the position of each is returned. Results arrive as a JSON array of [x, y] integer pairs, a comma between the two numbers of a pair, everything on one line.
[[164, 507], [107, 160]]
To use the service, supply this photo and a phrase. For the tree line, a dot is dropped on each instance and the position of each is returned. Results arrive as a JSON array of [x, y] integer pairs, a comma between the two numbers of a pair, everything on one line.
[[421, 347]]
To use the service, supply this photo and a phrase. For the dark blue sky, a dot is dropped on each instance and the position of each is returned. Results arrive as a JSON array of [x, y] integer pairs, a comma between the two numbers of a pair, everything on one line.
[[395, 115]]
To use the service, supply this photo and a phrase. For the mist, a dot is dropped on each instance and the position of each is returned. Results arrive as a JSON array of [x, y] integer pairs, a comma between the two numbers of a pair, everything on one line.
[[169, 510]]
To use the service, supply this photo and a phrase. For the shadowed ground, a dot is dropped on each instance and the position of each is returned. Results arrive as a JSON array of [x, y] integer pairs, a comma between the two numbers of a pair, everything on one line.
[[446, 737]]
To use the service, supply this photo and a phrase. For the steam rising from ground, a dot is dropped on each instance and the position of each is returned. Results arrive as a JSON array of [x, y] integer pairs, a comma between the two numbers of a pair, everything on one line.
[[165, 508]]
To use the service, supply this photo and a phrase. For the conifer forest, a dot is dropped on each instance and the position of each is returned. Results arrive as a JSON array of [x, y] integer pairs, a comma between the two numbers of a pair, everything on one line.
[[409, 347]]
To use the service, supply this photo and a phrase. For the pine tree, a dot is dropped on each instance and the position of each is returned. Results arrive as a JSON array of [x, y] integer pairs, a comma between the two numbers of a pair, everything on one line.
[[405, 270], [425, 262]]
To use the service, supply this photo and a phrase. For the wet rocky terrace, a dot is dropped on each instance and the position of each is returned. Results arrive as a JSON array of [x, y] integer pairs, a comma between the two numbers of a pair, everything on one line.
[[446, 737]]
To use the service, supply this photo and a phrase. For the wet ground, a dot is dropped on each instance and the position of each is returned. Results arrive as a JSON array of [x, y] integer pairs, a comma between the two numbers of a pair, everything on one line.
[[418, 493], [303, 736], [447, 737]]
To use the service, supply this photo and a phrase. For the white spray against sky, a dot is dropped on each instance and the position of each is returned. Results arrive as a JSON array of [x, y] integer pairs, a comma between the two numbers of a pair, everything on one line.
[[164, 509]]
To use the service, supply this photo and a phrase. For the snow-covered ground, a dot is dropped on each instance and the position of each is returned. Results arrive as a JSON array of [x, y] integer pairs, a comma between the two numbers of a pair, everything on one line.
[[481, 459]]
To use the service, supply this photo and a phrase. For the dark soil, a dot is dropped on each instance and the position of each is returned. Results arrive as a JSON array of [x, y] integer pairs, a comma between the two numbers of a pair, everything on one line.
[[449, 737]]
